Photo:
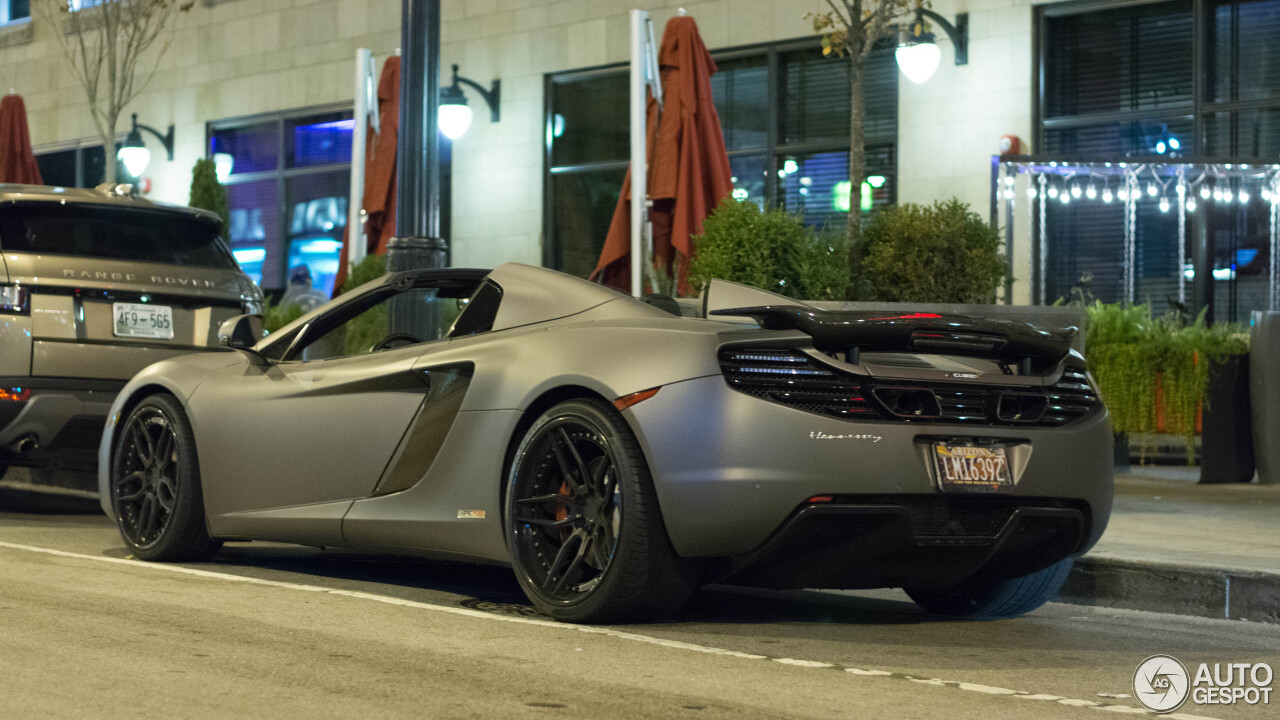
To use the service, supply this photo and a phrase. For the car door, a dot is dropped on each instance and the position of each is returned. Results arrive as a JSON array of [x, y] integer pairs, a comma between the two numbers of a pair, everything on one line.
[[286, 446]]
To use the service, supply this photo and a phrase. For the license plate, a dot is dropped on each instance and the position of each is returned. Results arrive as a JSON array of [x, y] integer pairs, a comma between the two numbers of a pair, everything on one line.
[[972, 468], [142, 321]]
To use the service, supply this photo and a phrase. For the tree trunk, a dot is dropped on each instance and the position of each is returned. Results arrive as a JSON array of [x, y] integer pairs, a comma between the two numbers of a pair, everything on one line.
[[857, 152], [109, 161]]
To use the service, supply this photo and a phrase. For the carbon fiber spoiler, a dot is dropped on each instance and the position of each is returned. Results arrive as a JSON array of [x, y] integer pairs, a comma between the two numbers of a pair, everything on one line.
[[848, 332]]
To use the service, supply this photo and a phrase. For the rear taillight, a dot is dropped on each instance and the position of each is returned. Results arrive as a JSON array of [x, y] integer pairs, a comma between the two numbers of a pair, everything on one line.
[[14, 299]]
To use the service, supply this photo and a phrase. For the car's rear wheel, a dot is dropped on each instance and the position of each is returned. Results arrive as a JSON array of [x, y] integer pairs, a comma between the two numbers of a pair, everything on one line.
[[1000, 599], [155, 484], [585, 534]]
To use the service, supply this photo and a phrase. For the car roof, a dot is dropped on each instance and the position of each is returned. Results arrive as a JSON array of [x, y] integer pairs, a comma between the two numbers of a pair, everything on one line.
[[115, 196]]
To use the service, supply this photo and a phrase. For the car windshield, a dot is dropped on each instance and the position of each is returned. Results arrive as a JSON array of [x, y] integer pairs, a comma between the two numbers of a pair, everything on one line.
[[158, 236]]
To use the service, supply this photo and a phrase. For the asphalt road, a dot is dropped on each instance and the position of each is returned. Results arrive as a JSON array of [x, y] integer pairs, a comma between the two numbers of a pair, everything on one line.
[[282, 632]]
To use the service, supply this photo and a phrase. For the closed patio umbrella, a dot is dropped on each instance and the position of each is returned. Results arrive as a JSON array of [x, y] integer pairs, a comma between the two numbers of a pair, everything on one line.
[[688, 166], [17, 162], [380, 170]]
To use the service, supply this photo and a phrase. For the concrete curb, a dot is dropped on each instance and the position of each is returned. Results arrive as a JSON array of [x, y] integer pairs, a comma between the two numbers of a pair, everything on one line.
[[1183, 590]]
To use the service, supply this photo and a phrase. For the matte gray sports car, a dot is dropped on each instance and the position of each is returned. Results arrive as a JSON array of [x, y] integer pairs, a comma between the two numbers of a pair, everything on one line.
[[616, 455]]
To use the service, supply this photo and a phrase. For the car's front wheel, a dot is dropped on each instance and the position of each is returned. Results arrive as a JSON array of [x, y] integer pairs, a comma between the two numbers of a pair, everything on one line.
[[999, 599], [585, 534], [155, 484]]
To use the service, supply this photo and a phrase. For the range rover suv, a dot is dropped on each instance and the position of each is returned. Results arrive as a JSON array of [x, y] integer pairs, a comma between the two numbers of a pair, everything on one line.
[[94, 286]]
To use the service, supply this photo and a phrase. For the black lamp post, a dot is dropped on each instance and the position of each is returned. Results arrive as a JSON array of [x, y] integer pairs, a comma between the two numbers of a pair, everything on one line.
[[417, 243]]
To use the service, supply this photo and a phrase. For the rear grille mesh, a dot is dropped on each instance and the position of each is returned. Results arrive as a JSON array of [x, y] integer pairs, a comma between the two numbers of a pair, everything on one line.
[[792, 378]]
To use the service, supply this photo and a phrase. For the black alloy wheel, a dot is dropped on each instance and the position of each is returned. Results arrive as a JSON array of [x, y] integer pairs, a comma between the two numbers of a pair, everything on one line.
[[155, 484], [583, 526]]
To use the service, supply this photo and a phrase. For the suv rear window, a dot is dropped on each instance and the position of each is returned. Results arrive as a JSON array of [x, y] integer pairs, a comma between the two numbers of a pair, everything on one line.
[[156, 236]]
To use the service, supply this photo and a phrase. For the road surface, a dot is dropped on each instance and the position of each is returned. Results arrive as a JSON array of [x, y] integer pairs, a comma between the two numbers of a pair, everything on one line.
[[279, 631]]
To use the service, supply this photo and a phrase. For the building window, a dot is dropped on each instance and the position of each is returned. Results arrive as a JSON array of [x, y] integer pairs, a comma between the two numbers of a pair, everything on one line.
[[1197, 79], [288, 192], [11, 10], [76, 164], [784, 110]]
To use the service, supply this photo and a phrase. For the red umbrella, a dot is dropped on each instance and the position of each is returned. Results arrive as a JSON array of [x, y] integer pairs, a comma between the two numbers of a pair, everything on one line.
[[688, 167], [380, 170], [17, 162]]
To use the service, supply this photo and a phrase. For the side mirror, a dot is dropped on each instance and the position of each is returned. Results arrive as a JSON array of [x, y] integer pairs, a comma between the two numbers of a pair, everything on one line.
[[241, 332]]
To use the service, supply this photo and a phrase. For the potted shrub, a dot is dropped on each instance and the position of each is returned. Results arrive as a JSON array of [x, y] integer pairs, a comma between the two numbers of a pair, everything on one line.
[[772, 250], [940, 253], [1154, 375]]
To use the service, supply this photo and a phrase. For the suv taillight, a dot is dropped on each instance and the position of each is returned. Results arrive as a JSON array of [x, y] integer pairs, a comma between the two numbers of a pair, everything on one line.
[[252, 301], [14, 299]]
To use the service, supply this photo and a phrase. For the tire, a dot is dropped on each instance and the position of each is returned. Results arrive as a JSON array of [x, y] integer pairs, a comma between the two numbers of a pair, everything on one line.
[[584, 532], [999, 599], [155, 492]]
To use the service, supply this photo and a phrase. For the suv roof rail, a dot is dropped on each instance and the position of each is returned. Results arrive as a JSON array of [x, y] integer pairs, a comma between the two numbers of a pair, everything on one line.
[[117, 189]]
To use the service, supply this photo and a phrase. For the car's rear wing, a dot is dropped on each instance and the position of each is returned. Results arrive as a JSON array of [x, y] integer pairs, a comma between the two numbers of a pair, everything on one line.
[[1024, 345]]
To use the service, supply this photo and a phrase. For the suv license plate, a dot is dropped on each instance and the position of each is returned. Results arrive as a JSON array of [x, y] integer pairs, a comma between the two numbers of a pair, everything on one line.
[[972, 468], [142, 321]]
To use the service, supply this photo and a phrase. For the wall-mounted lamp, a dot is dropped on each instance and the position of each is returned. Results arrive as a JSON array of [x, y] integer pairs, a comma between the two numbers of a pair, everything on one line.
[[918, 55], [134, 153], [224, 164], [454, 116]]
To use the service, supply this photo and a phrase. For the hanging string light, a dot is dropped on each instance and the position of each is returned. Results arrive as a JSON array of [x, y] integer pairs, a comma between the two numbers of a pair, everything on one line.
[[1187, 184]]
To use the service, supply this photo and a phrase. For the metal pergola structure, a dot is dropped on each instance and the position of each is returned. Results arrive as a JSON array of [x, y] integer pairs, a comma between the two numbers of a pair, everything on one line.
[[1172, 185]]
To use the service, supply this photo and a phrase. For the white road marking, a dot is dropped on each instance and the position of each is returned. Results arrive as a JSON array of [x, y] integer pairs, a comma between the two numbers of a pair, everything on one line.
[[593, 630]]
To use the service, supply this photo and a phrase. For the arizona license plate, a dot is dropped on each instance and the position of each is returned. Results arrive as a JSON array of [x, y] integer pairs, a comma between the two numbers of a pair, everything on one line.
[[142, 321], [972, 468]]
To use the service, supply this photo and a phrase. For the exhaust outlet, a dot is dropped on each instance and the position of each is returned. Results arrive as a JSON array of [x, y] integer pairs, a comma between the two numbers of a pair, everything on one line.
[[26, 444]]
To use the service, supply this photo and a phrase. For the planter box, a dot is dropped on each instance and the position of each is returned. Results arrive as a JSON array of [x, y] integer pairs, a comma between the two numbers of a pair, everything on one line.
[[1264, 394], [1227, 439]]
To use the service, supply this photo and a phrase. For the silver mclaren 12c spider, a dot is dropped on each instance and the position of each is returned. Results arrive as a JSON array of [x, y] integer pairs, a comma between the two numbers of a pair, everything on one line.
[[616, 453]]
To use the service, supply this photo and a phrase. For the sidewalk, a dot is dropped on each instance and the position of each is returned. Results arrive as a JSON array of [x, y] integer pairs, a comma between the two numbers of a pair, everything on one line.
[[1175, 546]]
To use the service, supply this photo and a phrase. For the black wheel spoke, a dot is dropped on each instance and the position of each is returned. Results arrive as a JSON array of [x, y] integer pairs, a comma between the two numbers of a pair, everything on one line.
[[142, 442], [126, 490], [553, 497], [562, 560], [166, 493], [566, 443], [163, 450], [546, 522], [146, 516], [602, 545], [584, 546]]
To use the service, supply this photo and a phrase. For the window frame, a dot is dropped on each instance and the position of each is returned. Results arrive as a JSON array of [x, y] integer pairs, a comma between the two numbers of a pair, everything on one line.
[[772, 149], [1198, 113], [281, 174], [6, 11]]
